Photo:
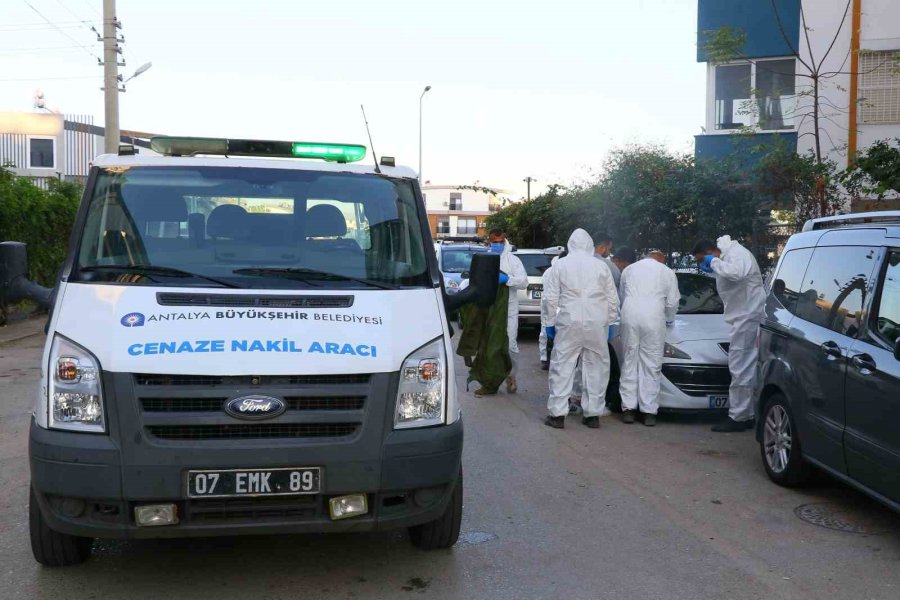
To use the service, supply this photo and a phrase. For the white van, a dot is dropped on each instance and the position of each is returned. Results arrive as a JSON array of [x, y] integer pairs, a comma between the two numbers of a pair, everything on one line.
[[241, 342]]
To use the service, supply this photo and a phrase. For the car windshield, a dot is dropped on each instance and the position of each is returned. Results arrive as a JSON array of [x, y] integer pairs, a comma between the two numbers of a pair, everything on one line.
[[536, 264], [699, 295], [458, 261], [251, 227]]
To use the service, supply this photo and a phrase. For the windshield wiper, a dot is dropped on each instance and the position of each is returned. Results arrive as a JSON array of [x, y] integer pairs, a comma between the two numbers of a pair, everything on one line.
[[159, 270], [305, 274]]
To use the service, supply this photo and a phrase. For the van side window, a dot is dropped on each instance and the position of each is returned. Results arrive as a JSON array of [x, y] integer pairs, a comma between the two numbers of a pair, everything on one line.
[[887, 320], [787, 284], [834, 288]]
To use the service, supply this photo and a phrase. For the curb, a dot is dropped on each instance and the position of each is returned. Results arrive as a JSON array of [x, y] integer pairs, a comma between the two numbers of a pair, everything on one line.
[[22, 330]]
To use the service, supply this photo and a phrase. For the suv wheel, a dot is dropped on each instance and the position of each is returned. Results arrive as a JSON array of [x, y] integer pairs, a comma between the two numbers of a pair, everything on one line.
[[443, 531], [780, 448], [51, 548]]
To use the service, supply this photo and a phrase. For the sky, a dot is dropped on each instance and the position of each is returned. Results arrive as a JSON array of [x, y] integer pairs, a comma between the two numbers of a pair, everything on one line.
[[519, 88]]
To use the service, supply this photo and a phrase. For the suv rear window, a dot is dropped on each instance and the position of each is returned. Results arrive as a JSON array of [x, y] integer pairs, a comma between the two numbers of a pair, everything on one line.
[[699, 295], [536, 264], [457, 261]]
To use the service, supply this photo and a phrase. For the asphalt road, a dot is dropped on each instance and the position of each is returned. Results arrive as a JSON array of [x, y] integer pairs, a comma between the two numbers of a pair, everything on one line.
[[621, 512]]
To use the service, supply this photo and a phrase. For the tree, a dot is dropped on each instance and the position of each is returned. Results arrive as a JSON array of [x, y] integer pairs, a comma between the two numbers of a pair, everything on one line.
[[875, 171]]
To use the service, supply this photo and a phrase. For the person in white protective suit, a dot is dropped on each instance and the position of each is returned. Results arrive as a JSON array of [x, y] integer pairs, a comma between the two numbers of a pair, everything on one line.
[[514, 276], [650, 297], [543, 344], [581, 302], [740, 286]]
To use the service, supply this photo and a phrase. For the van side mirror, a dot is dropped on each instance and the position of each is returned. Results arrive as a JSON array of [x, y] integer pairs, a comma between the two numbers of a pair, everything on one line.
[[484, 279], [14, 282]]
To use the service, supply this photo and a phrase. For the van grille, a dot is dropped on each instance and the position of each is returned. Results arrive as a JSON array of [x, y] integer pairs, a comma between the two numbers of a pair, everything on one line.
[[255, 510], [217, 404], [240, 380], [252, 431]]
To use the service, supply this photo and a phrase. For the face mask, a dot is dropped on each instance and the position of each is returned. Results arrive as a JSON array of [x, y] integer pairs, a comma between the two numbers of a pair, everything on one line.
[[497, 247]]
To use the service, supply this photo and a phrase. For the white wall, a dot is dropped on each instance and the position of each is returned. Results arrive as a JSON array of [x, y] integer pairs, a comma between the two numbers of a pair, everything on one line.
[[879, 30], [437, 198]]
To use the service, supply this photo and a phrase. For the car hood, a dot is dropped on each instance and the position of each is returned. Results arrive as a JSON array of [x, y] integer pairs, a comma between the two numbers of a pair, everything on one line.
[[698, 327], [129, 330]]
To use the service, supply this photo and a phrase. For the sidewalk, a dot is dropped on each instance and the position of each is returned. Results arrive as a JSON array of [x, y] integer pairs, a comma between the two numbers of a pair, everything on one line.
[[19, 330]]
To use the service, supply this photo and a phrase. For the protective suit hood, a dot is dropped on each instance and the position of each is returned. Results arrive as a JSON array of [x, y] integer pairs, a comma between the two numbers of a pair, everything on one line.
[[725, 243], [580, 242]]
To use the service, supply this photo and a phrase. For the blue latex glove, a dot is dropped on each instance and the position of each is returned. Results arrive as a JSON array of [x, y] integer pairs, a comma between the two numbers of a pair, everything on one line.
[[706, 263], [503, 278], [551, 332]]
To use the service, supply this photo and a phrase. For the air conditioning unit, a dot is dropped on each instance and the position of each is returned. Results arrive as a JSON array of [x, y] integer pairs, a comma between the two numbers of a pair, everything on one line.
[[445, 204]]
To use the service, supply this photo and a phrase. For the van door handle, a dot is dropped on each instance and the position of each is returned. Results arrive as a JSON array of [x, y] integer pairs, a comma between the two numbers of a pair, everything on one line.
[[864, 363], [831, 350]]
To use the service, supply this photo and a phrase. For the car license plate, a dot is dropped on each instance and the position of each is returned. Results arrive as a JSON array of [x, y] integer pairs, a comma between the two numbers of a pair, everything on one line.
[[254, 482], [718, 401], [536, 294]]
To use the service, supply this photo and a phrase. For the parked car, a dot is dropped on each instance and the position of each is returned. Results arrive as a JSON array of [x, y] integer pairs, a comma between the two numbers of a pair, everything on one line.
[[829, 365], [454, 261], [536, 262], [695, 363]]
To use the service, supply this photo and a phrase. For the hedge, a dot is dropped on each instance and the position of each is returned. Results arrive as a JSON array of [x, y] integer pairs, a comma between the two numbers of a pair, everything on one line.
[[42, 219]]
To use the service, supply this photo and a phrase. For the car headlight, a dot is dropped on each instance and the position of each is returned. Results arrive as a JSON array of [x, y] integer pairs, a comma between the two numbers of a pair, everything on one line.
[[421, 395], [671, 351], [74, 394]]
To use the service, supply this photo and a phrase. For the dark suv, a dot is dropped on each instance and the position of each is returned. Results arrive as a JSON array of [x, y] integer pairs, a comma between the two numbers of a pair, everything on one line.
[[829, 371]]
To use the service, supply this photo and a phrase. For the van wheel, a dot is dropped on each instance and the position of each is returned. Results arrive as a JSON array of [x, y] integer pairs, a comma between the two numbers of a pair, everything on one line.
[[780, 448], [51, 548], [443, 531]]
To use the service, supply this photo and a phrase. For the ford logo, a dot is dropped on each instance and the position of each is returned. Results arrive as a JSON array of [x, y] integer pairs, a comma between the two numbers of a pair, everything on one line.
[[255, 407]]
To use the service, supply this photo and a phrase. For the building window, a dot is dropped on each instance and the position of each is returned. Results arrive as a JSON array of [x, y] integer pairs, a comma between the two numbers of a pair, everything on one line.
[[41, 153], [762, 94], [879, 87], [443, 225], [455, 201], [466, 225]]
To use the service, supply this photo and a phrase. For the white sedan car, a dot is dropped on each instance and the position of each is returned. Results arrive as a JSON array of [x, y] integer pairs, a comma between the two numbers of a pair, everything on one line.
[[695, 363], [535, 263]]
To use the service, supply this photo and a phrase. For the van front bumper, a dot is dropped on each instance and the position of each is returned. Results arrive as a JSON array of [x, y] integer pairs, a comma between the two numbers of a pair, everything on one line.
[[84, 487]]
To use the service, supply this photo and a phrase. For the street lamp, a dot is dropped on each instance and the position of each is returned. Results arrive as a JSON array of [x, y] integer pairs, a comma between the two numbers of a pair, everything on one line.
[[141, 69], [425, 91]]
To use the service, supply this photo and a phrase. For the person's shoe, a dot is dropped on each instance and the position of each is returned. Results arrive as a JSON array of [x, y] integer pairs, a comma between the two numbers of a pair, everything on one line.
[[480, 392], [545, 365], [650, 420], [628, 416], [729, 425], [511, 386], [555, 422], [592, 422]]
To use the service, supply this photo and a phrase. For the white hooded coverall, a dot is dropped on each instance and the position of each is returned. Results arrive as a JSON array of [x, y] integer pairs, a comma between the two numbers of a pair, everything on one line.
[[740, 286], [581, 302], [542, 338], [518, 280], [650, 298]]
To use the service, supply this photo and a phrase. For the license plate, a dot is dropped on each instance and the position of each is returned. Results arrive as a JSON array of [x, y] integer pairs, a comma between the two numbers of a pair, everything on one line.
[[254, 482], [536, 294], [718, 401]]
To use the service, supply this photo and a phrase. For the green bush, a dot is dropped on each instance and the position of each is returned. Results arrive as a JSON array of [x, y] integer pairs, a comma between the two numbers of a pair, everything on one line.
[[42, 219]]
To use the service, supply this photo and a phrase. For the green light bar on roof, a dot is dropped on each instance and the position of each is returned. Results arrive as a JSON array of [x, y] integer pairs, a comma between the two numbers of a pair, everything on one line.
[[192, 146]]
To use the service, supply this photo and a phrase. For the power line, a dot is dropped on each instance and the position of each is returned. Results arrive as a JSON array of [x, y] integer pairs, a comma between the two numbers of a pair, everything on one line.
[[41, 26], [87, 23], [34, 50], [54, 78], [73, 40]]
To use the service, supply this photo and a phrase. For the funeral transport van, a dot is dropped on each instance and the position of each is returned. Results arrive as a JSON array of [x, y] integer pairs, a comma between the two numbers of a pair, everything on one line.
[[246, 337]]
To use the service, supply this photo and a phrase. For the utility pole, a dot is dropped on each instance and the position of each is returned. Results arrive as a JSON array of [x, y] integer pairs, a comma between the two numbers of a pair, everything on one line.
[[528, 180], [111, 77], [425, 91]]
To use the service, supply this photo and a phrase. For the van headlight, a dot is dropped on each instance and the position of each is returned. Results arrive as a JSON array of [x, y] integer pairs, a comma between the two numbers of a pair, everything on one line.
[[73, 392], [422, 393]]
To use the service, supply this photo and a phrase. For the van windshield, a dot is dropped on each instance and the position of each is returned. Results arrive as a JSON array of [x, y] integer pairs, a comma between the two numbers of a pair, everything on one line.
[[251, 227]]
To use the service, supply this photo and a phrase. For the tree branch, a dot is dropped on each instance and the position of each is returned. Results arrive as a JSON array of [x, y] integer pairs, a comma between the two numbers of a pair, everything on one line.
[[786, 38], [808, 42], [837, 34]]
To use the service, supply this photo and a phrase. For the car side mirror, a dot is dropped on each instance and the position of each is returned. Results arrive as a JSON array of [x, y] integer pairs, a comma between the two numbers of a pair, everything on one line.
[[897, 349], [484, 279], [14, 282]]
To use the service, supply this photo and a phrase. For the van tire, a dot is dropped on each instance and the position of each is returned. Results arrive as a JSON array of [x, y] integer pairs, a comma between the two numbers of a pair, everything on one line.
[[51, 548], [443, 531], [796, 471]]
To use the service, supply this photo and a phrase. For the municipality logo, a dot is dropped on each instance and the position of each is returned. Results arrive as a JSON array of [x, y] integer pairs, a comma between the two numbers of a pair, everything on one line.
[[134, 319]]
